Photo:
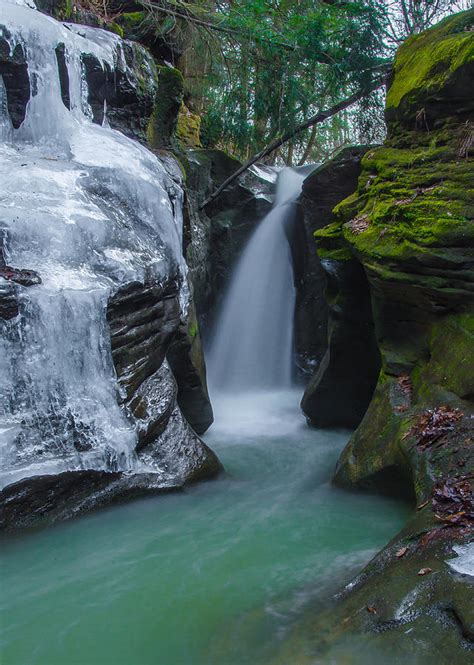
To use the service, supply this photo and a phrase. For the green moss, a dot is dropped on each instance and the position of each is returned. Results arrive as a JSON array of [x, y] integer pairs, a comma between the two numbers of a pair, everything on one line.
[[451, 364], [134, 25], [188, 128], [115, 27], [414, 201], [425, 64], [193, 329], [342, 254], [63, 10], [164, 119]]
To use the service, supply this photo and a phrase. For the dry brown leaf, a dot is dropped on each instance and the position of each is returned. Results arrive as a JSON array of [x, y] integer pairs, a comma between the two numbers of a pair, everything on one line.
[[434, 424], [424, 571], [358, 224], [371, 609]]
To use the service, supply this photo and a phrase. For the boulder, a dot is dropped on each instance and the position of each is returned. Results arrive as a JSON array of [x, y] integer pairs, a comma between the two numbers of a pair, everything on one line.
[[341, 389], [326, 186]]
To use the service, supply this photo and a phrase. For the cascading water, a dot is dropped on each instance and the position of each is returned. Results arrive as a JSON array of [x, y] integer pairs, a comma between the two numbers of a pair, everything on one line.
[[253, 343], [85, 210]]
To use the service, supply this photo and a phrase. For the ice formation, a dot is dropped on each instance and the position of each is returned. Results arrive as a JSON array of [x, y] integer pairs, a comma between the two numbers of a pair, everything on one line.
[[464, 561], [87, 210]]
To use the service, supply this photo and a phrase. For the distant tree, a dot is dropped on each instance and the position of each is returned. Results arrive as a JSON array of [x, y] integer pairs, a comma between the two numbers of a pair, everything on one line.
[[410, 17]]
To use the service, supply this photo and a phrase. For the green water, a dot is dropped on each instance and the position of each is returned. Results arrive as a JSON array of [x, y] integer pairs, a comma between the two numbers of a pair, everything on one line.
[[213, 576]]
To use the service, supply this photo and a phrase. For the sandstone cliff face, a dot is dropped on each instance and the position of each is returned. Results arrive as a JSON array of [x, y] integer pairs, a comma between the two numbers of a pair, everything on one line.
[[409, 225]]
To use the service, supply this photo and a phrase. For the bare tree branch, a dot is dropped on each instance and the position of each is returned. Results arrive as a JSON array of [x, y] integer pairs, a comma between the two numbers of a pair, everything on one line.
[[315, 119]]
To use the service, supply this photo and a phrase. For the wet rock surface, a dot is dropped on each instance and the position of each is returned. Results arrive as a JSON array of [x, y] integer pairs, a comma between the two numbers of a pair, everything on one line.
[[125, 97], [216, 235], [409, 225], [341, 389], [334, 337], [90, 404], [14, 71]]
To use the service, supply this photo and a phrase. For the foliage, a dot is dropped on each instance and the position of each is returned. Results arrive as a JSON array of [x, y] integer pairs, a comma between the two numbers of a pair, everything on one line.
[[255, 69], [263, 89]]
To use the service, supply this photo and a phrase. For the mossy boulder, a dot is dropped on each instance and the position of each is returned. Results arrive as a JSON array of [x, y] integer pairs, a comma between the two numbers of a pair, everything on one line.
[[433, 75], [409, 225]]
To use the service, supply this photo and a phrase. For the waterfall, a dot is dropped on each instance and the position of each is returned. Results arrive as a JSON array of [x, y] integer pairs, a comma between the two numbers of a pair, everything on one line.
[[252, 347], [84, 210]]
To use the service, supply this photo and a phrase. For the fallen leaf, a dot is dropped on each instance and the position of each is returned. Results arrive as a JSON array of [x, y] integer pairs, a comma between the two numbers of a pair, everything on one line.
[[371, 609], [401, 409], [424, 571], [454, 517], [433, 425], [422, 505], [358, 224], [401, 552]]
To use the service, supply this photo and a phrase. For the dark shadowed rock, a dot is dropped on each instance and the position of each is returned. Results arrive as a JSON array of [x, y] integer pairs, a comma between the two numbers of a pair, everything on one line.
[[341, 389], [9, 278], [142, 320], [41, 500], [216, 235], [186, 360], [326, 186], [14, 71], [128, 92], [334, 332]]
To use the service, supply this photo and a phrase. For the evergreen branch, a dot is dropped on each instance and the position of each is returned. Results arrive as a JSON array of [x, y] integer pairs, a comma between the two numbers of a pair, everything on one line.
[[218, 27]]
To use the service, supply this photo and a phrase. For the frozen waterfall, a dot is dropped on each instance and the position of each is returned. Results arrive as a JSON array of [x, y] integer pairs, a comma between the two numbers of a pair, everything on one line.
[[84, 210]]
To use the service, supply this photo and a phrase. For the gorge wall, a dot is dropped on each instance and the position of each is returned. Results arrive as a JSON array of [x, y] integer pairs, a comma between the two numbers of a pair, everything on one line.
[[407, 230]]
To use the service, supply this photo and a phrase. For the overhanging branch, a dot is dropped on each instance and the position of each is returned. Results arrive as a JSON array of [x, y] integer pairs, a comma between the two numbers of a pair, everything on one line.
[[319, 117]]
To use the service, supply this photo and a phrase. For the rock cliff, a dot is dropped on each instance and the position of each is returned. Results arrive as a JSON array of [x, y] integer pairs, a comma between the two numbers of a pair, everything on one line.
[[409, 227], [103, 374]]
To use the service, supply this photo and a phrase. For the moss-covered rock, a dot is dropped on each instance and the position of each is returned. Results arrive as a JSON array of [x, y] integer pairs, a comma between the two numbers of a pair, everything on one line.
[[164, 119], [433, 76], [410, 226], [188, 129]]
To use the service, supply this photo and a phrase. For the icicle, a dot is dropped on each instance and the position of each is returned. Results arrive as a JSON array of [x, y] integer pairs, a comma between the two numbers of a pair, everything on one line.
[[105, 121]]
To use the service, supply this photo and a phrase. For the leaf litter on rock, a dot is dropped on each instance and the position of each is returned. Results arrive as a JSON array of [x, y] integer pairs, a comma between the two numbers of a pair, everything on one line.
[[434, 424], [453, 501]]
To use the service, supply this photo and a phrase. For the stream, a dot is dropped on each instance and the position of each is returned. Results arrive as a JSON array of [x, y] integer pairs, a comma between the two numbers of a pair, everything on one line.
[[215, 575]]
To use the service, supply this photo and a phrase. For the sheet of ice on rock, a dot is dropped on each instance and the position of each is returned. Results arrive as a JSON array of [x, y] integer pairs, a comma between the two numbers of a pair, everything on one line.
[[464, 561], [88, 210]]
